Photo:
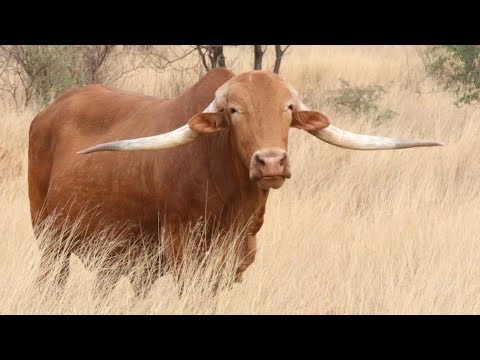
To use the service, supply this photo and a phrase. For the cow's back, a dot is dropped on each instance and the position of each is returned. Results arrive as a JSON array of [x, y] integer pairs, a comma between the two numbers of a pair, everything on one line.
[[70, 121], [105, 186]]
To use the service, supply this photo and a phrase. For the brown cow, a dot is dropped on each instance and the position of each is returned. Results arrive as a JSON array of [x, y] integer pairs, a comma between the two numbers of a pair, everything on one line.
[[234, 136]]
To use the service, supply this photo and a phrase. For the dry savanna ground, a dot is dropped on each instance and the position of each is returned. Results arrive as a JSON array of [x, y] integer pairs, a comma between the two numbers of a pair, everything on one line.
[[352, 232]]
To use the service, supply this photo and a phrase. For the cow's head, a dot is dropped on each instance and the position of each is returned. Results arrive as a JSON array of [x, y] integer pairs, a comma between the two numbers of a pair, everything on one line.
[[259, 108]]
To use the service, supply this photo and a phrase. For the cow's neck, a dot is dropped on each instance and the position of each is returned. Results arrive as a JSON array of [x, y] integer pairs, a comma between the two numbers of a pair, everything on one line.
[[232, 182]]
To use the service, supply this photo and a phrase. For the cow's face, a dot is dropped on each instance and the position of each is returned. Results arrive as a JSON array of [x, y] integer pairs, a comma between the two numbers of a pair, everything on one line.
[[259, 108]]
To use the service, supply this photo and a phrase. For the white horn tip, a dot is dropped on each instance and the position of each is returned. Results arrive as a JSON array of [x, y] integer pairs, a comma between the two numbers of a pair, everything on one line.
[[435, 143]]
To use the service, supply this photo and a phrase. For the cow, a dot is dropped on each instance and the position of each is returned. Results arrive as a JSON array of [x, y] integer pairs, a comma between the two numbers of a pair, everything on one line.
[[213, 152]]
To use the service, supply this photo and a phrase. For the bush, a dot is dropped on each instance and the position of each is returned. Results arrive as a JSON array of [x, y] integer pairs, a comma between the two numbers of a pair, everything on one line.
[[457, 69], [38, 73], [53, 69], [360, 101]]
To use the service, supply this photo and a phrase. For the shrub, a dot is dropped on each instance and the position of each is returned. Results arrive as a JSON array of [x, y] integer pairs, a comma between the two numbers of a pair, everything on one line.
[[52, 69], [457, 69], [38, 73], [360, 101]]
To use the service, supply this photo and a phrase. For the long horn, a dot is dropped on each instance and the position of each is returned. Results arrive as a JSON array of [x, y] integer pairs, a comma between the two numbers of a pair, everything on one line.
[[181, 136], [349, 140]]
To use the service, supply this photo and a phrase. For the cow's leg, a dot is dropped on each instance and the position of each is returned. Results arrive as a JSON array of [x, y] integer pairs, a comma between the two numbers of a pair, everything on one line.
[[54, 267], [248, 248], [246, 255], [173, 247]]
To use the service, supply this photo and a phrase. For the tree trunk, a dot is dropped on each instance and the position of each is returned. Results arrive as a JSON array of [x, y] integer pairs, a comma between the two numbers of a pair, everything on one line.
[[278, 57], [219, 58], [257, 64], [202, 56], [214, 54]]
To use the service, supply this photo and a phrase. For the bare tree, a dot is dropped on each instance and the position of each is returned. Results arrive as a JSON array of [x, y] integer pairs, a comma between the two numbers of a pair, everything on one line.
[[94, 58], [24, 70], [278, 57], [211, 56], [9, 69], [161, 58], [258, 52], [41, 72], [105, 64]]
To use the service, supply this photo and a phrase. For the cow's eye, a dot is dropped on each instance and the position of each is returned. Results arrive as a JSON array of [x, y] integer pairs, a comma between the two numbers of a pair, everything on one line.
[[290, 107], [232, 110]]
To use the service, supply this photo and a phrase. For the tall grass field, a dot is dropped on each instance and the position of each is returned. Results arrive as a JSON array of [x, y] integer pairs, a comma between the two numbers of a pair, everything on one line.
[[352, 232]]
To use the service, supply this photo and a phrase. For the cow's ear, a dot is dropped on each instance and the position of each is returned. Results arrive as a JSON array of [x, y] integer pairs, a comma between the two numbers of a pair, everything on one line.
[[309, 120], [207, 122]]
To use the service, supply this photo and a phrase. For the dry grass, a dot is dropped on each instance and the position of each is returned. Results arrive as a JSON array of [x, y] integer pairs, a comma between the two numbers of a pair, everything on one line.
[[389, 232]]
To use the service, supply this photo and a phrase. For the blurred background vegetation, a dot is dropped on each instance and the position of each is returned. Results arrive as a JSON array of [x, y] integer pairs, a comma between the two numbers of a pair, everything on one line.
[[36, 74]]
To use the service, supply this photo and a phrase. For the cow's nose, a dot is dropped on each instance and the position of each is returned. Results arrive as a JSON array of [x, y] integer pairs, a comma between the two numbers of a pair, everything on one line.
[[271, 163]]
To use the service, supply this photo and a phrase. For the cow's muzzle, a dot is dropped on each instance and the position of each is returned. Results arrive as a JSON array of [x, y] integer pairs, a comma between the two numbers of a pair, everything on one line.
[[269, 168]]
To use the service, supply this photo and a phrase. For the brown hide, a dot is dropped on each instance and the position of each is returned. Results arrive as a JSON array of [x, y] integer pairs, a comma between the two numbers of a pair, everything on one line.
[[217, 176], [142, 189]]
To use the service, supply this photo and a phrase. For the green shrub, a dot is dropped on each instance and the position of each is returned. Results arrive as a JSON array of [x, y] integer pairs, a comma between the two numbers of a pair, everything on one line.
[[360, 101], [38, 73], [53, 69], [457, 69]]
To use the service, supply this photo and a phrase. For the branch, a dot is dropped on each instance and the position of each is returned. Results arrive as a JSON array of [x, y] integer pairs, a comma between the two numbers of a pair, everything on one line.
[[202, 57]]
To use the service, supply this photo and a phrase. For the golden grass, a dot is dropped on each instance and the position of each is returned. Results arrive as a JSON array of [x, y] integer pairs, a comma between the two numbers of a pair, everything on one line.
[[388, 232]]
